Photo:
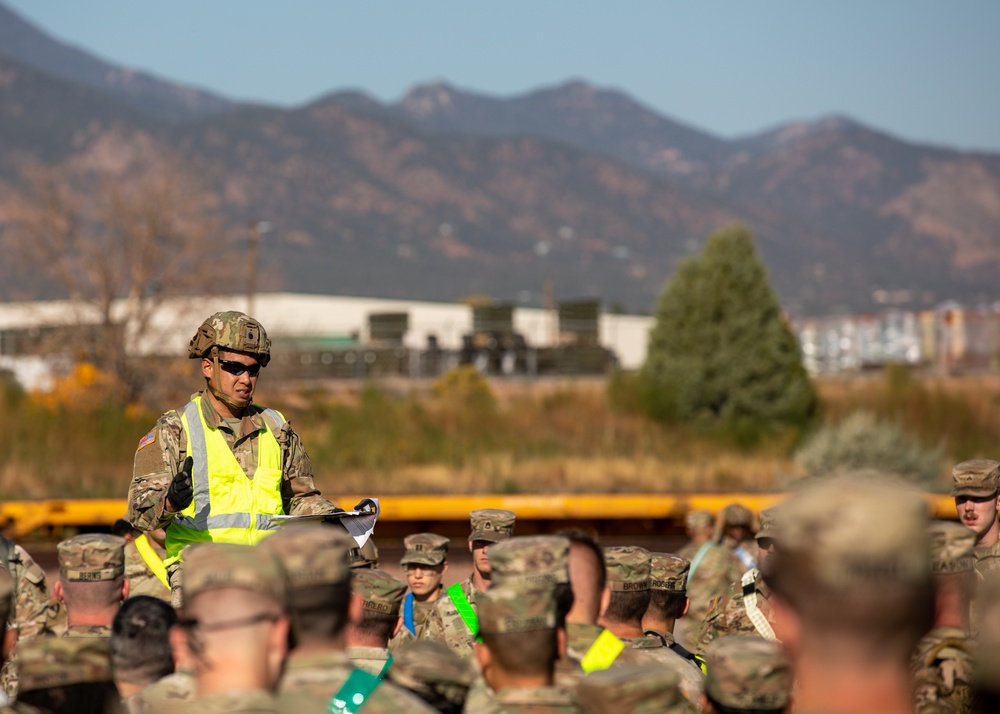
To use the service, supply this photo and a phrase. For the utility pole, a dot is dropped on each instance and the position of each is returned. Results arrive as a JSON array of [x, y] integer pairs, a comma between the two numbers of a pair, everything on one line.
[[255, 231]]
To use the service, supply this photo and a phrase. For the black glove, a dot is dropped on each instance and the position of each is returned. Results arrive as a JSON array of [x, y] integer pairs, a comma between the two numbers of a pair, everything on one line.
[[181, 489], [365, 505]]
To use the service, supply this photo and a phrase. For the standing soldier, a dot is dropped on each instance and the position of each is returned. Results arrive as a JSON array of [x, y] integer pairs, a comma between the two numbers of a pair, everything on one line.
[[453, 619], [668, 601], [31, 598], [745, 608], [975, 486], [943, 663], [368, 639], [425, 563], [219, 467], [91, 583]]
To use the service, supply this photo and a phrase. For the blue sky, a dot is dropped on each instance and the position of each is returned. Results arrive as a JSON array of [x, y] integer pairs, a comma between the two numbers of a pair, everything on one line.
[[925, 71]]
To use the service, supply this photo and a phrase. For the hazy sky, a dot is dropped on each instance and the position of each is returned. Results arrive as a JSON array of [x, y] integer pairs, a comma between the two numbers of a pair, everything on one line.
[[922, 70]]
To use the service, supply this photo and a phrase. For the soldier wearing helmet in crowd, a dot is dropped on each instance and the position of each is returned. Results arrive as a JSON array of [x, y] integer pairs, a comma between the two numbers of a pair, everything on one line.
[[217, 468]]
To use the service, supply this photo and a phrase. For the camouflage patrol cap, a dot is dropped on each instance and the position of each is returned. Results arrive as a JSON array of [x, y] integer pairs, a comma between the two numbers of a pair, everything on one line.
[[432, 671], [7, 587], [45, 662], [379, 591], [312, 554], [736, 514], [530, 561], [849, 531], [425, 549], [231, 331], [668, 572], [512, 608], [365, 556], [628, 568], [632, 689], [214, 566], [979, 478], [748, 673], [768, 523], [952, 548], [491, 524], [92, 557], [698, 519]]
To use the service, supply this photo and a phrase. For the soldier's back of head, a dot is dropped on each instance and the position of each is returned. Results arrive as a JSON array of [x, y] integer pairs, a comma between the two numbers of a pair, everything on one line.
[[431, 671], [140, 643], [746, 675]]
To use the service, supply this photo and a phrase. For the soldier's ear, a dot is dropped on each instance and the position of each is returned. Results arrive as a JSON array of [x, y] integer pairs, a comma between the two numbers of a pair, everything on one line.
[[57, 590], [485, 660], [605, 601], [397, 628], [687, 606]]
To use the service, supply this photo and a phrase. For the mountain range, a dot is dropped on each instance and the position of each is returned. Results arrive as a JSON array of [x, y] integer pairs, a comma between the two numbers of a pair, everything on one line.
[[447, 192]]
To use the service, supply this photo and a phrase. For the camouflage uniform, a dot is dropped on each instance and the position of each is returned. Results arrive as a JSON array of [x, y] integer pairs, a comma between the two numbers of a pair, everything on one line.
[[31, 599], [90, 558], [172, 693], [736, 514], [432, 672], [421, 549], [380, 593], [630, 570], [634, 689], [444, 623], [235, 703], [141, 580], [748, 673], [47, 662], [942, 666]]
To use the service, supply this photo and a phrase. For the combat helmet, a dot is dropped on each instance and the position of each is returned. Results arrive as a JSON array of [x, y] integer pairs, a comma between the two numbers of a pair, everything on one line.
[[231, 330]]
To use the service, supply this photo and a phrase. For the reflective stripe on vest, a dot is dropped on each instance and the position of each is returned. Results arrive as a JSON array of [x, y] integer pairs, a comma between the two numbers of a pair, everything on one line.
[[356, 690], [464, 608], [408, 614], [227, 506], [748, 560], [760, 622], [151, 559], [602, 653]]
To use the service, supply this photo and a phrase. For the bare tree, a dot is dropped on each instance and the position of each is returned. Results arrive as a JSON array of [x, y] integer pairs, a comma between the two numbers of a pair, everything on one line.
[[116, 245]]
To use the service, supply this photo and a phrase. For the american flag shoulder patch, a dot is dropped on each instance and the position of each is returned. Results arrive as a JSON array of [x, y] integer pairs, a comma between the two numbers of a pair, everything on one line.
[[147, 439]]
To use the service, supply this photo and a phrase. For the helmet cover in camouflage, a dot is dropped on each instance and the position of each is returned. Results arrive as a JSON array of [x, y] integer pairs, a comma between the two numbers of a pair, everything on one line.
[[425, 549], [530, 561], [7, 587], [952, 548], [748, 673], [698, 519], [668, 572], [365, 556], [432, 670], [850, 531], [45, 662], [978, 478], [491, 524], [768, 523], [215, 566], [736, 514], [632, 689], [628, 568], [234, 331], [379, 591], [513, 608], [311, 554], [92, 557]]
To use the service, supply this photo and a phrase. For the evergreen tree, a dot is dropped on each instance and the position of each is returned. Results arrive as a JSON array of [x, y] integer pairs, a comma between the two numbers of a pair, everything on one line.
[[720, 350]]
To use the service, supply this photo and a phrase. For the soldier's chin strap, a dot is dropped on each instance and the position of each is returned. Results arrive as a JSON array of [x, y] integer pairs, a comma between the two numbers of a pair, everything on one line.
[[217, 378]]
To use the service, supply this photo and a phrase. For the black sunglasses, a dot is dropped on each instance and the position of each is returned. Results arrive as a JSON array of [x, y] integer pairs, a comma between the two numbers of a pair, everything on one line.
[[238, 368]]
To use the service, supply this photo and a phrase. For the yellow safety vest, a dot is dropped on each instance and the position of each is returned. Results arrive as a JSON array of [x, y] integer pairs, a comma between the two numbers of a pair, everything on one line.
[[227, 507], [152, 560]]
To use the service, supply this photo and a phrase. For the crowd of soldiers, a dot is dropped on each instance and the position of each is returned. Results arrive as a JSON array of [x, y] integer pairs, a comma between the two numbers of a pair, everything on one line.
[[846, 597]]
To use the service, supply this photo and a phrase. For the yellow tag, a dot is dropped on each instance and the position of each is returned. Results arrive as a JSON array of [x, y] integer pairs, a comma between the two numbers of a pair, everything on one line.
[[602, 653]]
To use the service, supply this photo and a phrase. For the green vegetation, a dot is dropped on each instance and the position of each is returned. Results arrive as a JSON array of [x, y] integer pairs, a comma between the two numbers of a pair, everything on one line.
[[720, 353]]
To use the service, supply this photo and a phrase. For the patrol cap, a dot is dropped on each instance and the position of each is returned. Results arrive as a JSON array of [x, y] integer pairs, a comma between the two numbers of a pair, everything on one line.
[[214, 566], [491, 524], [768, 523], [849, 531], [365, 556], [7, 587], [668, 572], [952, 548], [425, 549], [978, 478], [44, 662], [312, 554], [628, 568], [512, 608], [632, 689], [431, 670], [530, 561], [748, 673], [92, 557], [698, 519], [379, 591]]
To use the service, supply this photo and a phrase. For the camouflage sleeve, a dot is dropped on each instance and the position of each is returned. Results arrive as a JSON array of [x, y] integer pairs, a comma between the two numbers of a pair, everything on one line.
[[158, 458], [32, 600], [433, 628], [299, 494]]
